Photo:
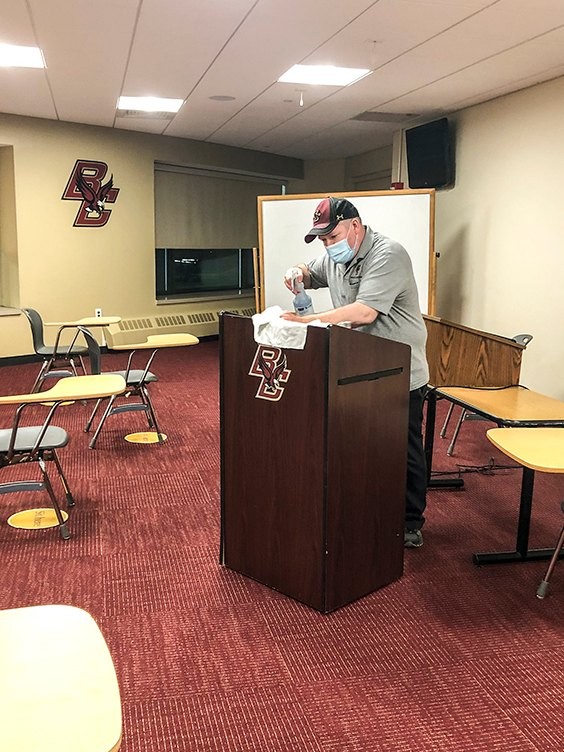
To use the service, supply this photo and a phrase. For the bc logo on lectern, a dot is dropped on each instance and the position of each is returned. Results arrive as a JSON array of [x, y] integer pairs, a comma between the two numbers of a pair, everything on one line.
[[269, 364], [86, 185]]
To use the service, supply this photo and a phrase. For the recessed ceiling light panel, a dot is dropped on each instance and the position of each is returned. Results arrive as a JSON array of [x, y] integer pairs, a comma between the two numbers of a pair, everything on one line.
[[323, 75], [18, 56], [150, 104]]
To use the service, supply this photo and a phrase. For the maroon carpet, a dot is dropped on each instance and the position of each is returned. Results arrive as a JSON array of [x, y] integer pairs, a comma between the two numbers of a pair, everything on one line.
[[451, 657]]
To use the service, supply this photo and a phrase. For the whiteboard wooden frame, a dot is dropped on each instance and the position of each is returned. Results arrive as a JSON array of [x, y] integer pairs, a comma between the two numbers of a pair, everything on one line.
[[406, 216]]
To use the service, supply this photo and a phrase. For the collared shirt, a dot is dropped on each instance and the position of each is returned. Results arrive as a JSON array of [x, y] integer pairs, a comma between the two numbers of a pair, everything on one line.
[[380, 276]]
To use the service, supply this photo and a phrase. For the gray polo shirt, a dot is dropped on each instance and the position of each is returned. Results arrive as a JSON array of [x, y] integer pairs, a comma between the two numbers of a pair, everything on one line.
[[380, 276]]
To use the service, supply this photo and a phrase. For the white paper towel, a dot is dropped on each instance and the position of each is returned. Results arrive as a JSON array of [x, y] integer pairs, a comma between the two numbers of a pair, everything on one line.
[[270, 329]]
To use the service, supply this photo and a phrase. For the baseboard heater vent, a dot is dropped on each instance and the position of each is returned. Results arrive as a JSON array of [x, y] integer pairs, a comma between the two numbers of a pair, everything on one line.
[[199, 323], [132, 325]]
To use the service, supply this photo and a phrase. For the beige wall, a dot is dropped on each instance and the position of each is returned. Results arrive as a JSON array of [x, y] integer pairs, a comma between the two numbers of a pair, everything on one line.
[[500, 230], [320, 176], [66, 272], [371, 171], [9, 278]]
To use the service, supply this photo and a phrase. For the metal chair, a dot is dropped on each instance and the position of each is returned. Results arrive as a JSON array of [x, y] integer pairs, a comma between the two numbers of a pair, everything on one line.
[[36, 444], [521, 339], [54, 356], [40, 443], [543, 586], [136, 379]]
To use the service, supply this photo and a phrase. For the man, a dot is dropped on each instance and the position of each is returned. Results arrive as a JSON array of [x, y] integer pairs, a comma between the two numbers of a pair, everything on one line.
[[372, 286]]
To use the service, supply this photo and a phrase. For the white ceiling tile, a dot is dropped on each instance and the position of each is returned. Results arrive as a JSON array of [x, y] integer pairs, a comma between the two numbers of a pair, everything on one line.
[[25, 92], [86, 52], [429, 56]]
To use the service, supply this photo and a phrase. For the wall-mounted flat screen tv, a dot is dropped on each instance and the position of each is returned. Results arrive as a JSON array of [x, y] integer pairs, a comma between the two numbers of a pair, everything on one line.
[[185, 272], [430, 157]]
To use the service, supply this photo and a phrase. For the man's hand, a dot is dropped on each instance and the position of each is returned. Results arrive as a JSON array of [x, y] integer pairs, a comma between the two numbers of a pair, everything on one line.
[[353, 314], [293, 277], [291, 316]]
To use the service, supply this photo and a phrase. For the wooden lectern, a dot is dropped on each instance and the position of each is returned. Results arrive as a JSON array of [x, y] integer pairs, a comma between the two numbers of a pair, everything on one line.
[[313, 461]]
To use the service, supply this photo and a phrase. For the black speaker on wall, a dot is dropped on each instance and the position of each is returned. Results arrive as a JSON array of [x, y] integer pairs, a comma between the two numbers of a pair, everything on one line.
[[430, 157]]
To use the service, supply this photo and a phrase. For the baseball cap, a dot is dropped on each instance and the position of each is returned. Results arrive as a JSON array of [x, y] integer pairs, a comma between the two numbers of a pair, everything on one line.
[[328, 214]]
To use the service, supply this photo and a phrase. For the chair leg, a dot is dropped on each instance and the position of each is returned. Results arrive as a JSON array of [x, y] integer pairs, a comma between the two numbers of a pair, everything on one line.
[[450, 449], [102, 421], [68, 495], [447, 421], [40, 377], [63, 527], [88, 425], [144, 394], [543, 587]]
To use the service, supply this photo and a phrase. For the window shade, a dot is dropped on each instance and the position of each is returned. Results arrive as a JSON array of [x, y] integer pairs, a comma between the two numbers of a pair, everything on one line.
[[203, 210]]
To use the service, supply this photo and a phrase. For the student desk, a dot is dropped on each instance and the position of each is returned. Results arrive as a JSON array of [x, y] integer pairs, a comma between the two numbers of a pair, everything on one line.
[[87, 321], [459, 356], [35, 443], [72, 388], [511, 406], [539, 449], [58, 686], [480, 372], [137, 380], [52, 356]]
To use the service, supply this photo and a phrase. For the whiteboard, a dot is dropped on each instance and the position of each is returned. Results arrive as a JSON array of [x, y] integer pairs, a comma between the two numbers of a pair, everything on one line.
[[406, 216]]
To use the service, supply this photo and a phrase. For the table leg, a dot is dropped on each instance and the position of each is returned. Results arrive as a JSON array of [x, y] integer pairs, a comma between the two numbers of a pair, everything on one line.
[[429, 445], [522, 551]]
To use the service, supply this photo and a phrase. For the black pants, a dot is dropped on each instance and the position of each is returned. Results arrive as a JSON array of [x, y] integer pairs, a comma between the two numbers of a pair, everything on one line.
[[416, 488]]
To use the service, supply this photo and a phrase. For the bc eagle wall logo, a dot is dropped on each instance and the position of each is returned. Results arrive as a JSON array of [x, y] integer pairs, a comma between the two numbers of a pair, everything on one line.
[[86, 185], [269, 364]]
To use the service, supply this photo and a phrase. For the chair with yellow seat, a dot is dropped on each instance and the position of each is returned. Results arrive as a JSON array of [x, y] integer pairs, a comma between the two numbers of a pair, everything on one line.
[[137, 380], [40, 443]]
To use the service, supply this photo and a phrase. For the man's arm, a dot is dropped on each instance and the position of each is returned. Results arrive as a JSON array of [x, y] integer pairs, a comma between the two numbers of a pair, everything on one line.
[[357, 314]]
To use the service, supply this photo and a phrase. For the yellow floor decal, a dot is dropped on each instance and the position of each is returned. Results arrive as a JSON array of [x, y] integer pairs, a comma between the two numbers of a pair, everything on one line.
[[145, 437], [35, 519]]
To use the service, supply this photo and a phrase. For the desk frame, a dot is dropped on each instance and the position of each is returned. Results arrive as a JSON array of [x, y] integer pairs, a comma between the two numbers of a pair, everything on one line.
[[470, 358], [522, 551]]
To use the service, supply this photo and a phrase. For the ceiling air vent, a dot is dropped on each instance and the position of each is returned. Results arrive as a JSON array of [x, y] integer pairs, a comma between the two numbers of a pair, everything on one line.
[[384, 117]]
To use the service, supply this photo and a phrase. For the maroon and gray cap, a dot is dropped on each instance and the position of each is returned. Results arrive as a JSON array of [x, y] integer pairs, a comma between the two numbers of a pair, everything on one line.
[[328, 214]]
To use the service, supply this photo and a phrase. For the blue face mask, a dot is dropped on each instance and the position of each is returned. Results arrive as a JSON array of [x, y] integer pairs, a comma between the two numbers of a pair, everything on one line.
[[341, 252]]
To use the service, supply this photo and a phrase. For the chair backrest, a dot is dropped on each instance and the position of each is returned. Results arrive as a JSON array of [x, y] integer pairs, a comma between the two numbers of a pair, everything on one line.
[[36, 323], [94, 352]]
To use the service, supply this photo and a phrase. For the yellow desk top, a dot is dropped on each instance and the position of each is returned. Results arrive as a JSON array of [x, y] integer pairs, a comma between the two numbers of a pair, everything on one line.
[[515, 403], [88, 321], [155, 341], [537, 448], [58, 686], [72, 388]]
